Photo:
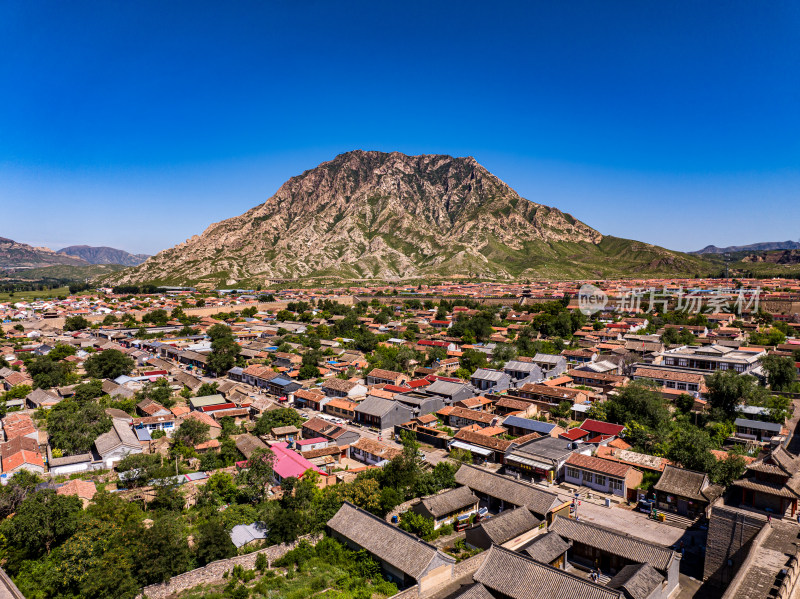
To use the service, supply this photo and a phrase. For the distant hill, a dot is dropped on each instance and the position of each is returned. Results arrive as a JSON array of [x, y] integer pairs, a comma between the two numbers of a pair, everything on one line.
[[389, 216], [15, 255], [753, 247], [104, 255], [62, 272]]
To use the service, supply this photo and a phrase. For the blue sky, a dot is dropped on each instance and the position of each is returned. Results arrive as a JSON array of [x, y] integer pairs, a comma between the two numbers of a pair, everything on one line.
[[137, 124]]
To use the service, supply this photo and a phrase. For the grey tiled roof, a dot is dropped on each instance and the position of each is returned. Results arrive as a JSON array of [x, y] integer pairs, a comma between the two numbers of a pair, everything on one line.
[[547, 547], [611, 541], [509, 490], [518, 366], [399, 549], [242, 534], [449, 501], [487, 374], [119, 435], [515, 576], [445, 388], [375, 406], [474, 591], [638, 581], [685, 483], [509, 525]]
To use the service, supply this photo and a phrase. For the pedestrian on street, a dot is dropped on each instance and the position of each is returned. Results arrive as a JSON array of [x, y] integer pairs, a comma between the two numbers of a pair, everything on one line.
[[769, 519]]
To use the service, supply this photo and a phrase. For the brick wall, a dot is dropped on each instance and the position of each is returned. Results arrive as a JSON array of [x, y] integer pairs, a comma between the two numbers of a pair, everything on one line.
[[214, 571]]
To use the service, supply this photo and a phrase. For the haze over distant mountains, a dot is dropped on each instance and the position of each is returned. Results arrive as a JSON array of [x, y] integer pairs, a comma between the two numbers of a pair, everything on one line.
[[16, 255], [753, 247], [21, 255], [389, 216], [103, 255]]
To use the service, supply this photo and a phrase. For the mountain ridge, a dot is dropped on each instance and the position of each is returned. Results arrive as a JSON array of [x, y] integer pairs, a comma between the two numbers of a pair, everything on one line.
[[18, 255], [389, 216], [753, 247], [103, 255]]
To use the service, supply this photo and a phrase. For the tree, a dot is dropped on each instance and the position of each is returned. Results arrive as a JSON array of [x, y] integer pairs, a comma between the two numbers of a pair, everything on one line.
[[47, 373], [727, 389], [138, 469], [778, 407], [728, 470], [274, 418], [562, 410], [220, 488], [689, 446], [157, 317], [461, 455], [74, 426], [472, 359], [207, 389], [684, 402], [504, 352], [258, 474], [639, 401], [162, 550], [363, 492], [309, 371], [158, 391], [76, 323], [436, 354], [213, 542], [224, 349], [108, 364], [42, 521], [781, 371], [88, 390], [417, 524], [61, 351], [191, 432], [20, 486]]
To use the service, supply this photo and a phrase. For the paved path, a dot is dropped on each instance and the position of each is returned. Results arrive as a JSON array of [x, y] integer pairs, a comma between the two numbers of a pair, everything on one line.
[[628, 521]]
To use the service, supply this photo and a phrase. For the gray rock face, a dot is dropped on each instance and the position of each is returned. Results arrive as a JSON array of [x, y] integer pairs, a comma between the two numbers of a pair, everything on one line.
[[372, 215]]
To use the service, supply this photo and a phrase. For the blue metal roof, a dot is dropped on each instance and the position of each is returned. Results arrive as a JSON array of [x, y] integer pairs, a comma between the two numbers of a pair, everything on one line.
[[531, 425]]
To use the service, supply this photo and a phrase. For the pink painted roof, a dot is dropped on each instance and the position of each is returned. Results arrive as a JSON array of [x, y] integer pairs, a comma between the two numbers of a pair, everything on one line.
[[311, 441], [289, 463]]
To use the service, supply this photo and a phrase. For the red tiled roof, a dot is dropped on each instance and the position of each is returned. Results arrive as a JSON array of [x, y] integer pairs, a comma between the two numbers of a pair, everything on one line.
[[587, 462], [574, 434], [20, 458], [601, 428]]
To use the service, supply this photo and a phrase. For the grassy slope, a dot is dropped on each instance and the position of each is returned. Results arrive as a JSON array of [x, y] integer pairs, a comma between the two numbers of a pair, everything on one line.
[[736, 267], [24, 296], [613, 257], [65, 272]]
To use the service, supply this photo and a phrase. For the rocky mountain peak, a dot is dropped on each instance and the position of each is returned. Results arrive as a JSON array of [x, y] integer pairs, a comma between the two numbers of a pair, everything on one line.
[[377, 215]]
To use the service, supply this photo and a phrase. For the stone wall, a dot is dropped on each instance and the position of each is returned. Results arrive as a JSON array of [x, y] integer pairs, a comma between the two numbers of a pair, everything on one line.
[[402, 508], [788, 588], [8, 590], [214, 571], [461, 572], [731, 534]]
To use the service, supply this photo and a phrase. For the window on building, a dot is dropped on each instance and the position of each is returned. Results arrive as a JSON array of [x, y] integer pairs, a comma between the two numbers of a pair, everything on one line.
[[616, 483], [573, 472], [683, 362], [599, 479]]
